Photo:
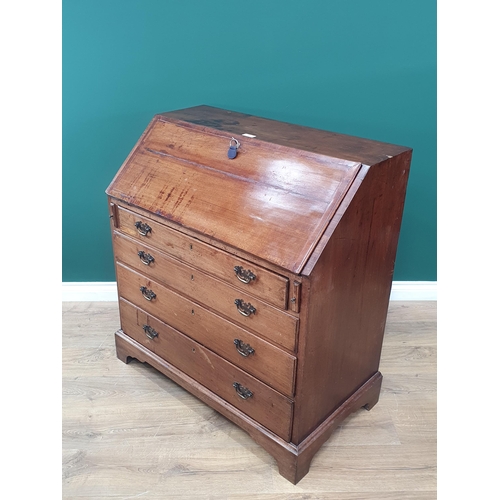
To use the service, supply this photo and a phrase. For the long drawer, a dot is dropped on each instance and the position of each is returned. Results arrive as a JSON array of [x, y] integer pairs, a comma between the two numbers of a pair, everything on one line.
[[257, 400], [246, 310], [266, 362], [176, 310], [244, 275]]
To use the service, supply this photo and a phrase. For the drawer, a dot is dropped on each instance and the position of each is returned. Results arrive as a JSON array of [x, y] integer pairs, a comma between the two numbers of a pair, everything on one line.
[[239, 307], [257, 400], [261, 359], [173, 308], [249, 277]]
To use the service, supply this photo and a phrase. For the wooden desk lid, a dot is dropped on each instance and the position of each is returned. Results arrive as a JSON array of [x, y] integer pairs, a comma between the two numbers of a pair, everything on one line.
[[271, 201]]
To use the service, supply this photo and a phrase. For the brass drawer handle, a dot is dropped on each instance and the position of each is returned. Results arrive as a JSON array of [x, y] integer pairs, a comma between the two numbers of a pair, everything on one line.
[[244, 349], [142, 228], [146, 258], [243, 308], [242, 392], [150, 332], [244, 275], [147, 294]]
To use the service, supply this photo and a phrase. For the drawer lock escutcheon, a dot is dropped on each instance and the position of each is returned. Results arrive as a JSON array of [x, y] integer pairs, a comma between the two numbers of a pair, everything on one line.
[[147, 294], [146, 258], [244, 275], [151, 333], [244, 349], [245, 309], [242, 392], [142, 228]]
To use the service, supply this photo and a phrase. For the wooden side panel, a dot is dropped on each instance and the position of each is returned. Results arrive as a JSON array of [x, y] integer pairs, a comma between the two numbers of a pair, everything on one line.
[[346, 297]]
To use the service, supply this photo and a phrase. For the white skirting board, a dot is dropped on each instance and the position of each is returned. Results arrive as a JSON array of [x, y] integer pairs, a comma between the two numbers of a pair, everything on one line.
[[106, 291]]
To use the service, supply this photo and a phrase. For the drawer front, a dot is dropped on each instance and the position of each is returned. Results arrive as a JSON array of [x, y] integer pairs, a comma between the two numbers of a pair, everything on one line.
[[264, 361], [180, 312], [249, 277], [258, 401], [270, 322]]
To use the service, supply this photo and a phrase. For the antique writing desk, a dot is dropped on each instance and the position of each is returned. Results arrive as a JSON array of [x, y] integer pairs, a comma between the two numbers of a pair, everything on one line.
[[254, 262]]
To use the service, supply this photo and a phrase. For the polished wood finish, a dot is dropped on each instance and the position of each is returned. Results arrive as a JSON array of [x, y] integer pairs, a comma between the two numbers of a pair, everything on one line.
[[268, 363], [127, 349], [128, 431], [271, 324], [236, 253], [263, 202], [211, 292], [348, 291], [355, 149], [272, 287], [196, 363], [293, 461], [320, 224]]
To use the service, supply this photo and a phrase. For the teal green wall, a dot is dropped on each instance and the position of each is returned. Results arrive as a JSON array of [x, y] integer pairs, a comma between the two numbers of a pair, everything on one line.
[[360, 67]]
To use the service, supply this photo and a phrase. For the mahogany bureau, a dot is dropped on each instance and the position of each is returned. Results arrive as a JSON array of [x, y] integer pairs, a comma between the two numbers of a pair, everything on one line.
[[254, 263]]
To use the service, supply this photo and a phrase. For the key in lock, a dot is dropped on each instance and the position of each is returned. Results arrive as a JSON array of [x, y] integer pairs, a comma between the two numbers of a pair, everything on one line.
[[233, 148]]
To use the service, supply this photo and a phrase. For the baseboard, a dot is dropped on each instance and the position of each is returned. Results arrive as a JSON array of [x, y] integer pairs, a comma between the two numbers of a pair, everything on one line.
[[106, 291], [414, 290], [89, 292]]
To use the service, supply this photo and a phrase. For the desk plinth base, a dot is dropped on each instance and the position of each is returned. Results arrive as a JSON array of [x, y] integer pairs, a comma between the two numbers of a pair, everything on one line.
[[293, 460]]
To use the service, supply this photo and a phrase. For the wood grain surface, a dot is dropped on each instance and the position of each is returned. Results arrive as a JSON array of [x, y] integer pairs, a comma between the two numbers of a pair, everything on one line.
[[343, 316], [275, 201], [268, 363], [200, 286], [129, 432], [265, 405], [268, 285], [309, 139], [271, 323]]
